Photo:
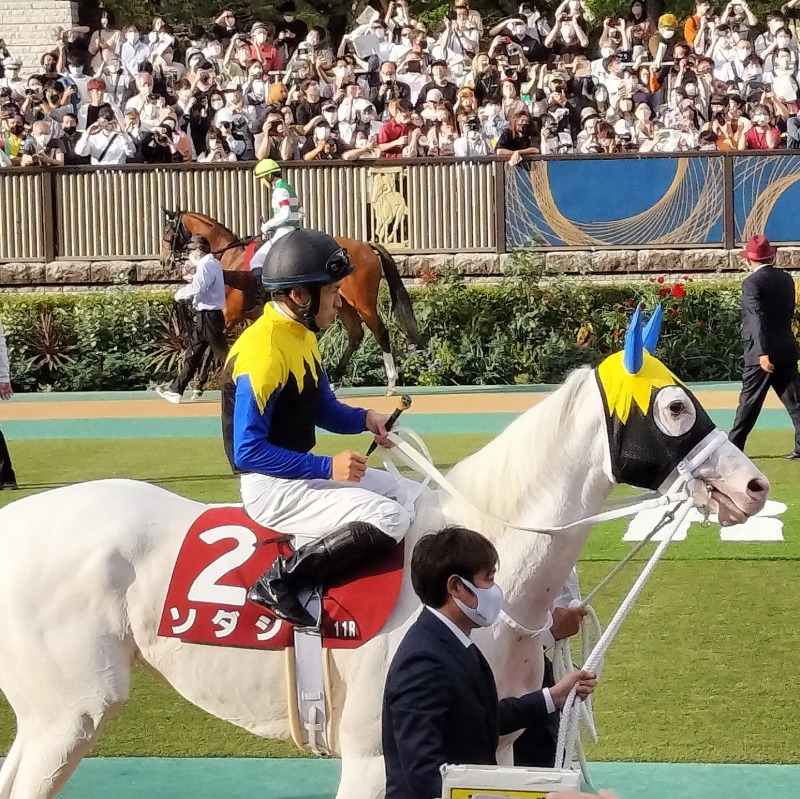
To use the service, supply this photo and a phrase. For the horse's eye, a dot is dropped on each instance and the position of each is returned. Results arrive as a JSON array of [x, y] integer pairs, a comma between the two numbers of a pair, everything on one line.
[[676, 407]]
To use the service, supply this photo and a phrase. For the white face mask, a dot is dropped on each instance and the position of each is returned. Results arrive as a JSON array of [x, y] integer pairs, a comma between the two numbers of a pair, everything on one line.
[[320, 134], [41, 139], [194, 257], [379, 34], [312, 40], [518, 31], [76, 70], [490, 603], [288, 17], [387, 78], [212, 144], [760, 119], [330, 116], [607, 51], [217, 105], [132, 37], [667, 34]]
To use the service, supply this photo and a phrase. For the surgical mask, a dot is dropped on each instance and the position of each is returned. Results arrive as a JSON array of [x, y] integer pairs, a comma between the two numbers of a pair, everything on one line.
[[518, 31], [330, 117], [217, 105], [783, 43], [112, 69], [691, 90], [288, 17], [492, 111], [667, 34], [775, 26], [144, 90], [490, 603], [380, 34], [760, 119], [642, 114], [76, 71], [405, 41], [742, 55], [387, 78], [607, 51], [261, 37], [313, 40], [439, 116], [41, 140], [340, 72], [194, 257], [321, 133], [132, 37]]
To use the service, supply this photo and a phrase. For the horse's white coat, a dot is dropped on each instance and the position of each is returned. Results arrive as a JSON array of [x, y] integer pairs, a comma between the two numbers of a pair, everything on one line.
[[84, 572]]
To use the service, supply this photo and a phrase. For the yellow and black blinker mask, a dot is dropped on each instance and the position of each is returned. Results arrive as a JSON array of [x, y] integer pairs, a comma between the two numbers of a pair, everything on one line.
[[643, 453]]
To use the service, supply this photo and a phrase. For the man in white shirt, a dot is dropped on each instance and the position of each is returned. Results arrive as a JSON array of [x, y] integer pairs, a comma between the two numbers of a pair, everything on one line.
[[207, 292], [134, 51], [8, 480], [104, 142], [12, 80]]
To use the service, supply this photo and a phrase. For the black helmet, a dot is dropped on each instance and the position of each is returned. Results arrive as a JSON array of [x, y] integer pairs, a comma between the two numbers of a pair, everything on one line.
[[305, 258], [197, 242]]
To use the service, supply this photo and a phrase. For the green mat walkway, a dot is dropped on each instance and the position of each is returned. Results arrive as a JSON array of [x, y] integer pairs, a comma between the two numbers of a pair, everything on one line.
[[233, 778]]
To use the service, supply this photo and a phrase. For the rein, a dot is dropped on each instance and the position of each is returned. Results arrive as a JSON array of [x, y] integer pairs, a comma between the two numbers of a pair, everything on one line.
[[176, 248]]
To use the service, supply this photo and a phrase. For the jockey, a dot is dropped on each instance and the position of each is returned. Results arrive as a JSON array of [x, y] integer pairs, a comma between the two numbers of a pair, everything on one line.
[[286, 212], [275, 392]]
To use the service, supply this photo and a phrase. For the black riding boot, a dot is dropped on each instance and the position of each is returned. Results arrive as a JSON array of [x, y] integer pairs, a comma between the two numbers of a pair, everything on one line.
[[314, 567]]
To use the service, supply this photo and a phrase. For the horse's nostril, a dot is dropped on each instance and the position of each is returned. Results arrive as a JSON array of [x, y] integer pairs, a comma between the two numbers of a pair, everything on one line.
[[757, 486]]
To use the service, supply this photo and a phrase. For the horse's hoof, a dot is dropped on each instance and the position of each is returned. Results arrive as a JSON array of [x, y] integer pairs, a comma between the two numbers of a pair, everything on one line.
[[391, 392]]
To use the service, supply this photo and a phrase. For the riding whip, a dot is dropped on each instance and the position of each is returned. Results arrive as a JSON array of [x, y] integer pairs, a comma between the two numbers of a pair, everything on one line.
[[403, 405]]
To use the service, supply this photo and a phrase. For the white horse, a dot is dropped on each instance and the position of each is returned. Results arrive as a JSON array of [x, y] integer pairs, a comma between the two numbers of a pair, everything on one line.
[[84, 572]]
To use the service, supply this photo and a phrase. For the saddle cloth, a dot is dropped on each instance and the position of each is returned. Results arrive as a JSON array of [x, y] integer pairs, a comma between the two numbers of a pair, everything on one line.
[[224, 552]]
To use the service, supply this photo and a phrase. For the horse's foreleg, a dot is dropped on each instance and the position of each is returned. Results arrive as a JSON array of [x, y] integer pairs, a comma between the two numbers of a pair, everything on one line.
[[355, 335], [362, 778]]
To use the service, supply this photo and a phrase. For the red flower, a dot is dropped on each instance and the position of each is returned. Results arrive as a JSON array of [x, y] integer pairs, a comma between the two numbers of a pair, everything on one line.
[[629, 303], [679, 291], [617, 333], [621, 309], [660, 279], [643, 306], [663, 292]]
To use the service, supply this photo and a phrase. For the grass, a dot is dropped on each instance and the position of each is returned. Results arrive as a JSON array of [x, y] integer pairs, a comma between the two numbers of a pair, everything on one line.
[[701, 671]]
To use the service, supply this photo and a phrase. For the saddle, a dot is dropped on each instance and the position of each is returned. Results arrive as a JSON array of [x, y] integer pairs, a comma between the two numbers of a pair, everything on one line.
[[223, 554]]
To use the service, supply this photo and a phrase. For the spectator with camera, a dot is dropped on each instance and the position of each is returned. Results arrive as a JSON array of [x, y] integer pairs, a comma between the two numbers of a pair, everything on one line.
[[105, 143], [390, 89], [473, 143]]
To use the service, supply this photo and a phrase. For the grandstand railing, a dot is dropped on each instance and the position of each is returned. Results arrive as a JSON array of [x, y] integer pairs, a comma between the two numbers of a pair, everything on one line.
[[692, 200]]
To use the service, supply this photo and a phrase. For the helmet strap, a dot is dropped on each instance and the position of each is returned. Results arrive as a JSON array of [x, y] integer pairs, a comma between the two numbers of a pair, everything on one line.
[[307, 312]]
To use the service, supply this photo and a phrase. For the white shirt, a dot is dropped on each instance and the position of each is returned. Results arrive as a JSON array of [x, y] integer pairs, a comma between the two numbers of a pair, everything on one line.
[[207, 287], [132, 55], [466, 642], [4, 371], [95, 144]]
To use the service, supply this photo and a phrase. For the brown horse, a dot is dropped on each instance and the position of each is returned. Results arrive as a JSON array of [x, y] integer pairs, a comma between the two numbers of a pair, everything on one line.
[[359, 290]]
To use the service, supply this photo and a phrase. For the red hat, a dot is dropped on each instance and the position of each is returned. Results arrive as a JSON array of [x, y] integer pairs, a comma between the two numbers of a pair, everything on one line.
[[758, 249]]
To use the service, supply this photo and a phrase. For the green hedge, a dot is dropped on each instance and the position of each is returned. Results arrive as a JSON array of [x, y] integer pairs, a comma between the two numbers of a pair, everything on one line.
[[523, 330]]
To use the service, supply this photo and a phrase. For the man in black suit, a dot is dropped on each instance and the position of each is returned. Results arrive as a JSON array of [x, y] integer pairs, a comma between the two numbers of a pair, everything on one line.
[[771, 351], [440, 704]]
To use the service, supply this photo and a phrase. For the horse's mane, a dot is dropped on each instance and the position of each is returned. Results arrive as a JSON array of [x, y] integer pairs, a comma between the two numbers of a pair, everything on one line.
[[498, 478], [212, 223]]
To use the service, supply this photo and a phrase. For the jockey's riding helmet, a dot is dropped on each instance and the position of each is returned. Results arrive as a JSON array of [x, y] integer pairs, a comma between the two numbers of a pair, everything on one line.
[[198, 242], [266, 167], [305, 258]]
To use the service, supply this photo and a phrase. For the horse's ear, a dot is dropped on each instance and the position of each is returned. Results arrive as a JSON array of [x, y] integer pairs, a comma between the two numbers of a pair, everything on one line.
[[633, 355], [652, 330], [170, 215]]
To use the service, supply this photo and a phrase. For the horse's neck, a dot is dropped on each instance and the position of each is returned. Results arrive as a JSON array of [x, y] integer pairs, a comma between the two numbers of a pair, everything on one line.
[[204, 226], [545, 470]]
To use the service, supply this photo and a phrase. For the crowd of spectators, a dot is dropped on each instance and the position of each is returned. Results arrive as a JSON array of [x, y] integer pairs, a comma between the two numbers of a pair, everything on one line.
[[391, 88]]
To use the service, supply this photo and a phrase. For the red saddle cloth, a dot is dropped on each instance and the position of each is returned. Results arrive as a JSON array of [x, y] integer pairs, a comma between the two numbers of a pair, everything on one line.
[[250, 251], [225, 552]]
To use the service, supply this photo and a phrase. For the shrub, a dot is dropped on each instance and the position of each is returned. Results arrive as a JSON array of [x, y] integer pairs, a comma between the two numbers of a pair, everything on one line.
[[526, 329]]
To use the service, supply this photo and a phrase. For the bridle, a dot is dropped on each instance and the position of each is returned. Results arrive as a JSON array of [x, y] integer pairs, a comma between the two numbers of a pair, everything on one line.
[[177, 237]]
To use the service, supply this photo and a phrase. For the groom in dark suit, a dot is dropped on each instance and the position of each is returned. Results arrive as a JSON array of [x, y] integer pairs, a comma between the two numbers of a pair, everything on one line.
[[440, 703], [771, 351]]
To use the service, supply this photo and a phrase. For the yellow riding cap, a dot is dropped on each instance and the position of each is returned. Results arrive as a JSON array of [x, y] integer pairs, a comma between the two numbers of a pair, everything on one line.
[[266, 167]]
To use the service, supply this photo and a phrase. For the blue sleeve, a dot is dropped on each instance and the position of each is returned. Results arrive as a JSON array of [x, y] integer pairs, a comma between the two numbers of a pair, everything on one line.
[[335, 416], [252, 452]]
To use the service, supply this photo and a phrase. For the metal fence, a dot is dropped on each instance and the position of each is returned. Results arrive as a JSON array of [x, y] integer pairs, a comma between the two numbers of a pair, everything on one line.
[[420, 206]]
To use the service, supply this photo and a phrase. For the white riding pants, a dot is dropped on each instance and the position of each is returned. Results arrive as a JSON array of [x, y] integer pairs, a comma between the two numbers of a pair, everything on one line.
[[257, 261], [310, 509]]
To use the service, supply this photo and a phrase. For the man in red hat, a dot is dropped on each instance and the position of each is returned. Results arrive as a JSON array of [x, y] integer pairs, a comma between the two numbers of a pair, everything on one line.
[[771, 351]]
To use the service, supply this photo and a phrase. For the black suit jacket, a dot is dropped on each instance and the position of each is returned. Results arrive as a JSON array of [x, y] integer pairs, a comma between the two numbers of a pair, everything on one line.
[[767, 311], [440, 706]]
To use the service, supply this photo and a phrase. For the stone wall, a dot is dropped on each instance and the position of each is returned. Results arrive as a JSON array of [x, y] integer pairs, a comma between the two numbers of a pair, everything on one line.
[[28, 27], [601, 265]]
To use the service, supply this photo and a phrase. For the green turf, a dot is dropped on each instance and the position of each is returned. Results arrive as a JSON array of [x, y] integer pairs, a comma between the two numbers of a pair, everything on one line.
[[701, 672]]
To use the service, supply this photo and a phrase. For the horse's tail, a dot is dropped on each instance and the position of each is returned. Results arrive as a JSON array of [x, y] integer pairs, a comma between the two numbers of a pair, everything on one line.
[[401, 302]]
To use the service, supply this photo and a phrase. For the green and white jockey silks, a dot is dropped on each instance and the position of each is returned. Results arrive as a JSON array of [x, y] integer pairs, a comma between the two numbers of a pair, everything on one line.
[[286, 217]]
